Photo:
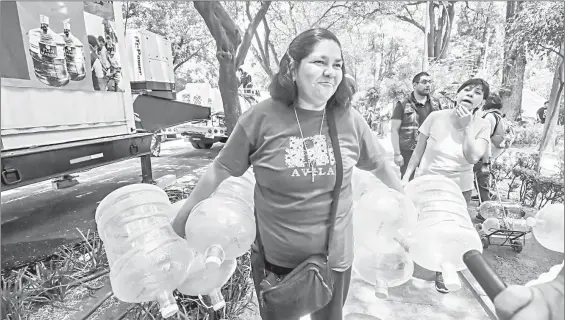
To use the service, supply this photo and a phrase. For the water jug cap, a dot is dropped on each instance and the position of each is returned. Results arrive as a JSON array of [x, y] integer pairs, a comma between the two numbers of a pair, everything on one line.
[[215, 255], [43, 19], [381, 288], [66, 26], [450, 277], [219, 305], [169, 310]]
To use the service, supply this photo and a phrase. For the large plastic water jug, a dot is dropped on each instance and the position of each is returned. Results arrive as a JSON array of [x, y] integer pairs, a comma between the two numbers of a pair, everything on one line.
[[147, 259], [239, 188], [496, 209], [444, 231], [491, 225], [361, 181], [384, 265], [175, 208], [548, 226], [547, 276], [221, 229], [206, 281], [382, 211]]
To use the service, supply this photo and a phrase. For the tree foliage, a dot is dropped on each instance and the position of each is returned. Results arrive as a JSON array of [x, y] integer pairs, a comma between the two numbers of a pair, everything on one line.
[[176, 20]]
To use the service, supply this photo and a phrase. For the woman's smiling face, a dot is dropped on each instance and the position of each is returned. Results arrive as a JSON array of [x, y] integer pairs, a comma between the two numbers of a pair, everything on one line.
[[319, 74], [470, 97]]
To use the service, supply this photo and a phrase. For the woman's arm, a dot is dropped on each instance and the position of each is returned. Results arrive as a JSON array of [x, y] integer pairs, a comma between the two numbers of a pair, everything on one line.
[[475, 144], [416, 156], [387, 175]]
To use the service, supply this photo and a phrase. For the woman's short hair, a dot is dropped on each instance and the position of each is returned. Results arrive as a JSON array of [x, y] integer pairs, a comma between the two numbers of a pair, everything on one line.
[[477, 82], [493, 102], [283, 88]]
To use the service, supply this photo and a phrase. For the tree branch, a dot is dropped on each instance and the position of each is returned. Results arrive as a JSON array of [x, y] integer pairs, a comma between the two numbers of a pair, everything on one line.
[[192, 55], [224, 31], [333, 6], [406, 19], [246, 43], [549, 49]]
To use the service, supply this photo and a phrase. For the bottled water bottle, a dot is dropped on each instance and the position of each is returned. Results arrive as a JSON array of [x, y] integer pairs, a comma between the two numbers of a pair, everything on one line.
[[490, 225], [382, 211], [548, 226], [74, 54], [521, 225], [221, 229], [147, 259], [444, 231], [203, 281], [47, 50], [384, 265]]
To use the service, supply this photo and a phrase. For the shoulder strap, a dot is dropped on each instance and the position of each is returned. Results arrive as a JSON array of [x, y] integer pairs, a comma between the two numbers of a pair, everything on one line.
[[338, 177], [335, 193]]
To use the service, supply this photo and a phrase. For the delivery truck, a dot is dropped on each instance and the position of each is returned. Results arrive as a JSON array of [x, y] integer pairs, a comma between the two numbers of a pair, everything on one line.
[[69, 94]]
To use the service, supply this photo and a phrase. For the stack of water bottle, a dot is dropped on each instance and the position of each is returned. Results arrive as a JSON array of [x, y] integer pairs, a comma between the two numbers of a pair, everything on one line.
[[428, 225], [148, 260]]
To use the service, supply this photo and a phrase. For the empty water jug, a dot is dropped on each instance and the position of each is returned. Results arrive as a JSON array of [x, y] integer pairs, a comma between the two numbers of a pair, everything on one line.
[[490, 225], [147, 259], [238, 187], [361, 181], [166, 181], [384, 265], [548, 226], [444, 231], [382, 211], [547, 276], [205, 281], [221, 229], [497, 209]]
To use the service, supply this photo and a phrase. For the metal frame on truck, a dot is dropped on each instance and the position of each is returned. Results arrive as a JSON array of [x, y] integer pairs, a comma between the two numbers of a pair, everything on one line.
[[51, 130]]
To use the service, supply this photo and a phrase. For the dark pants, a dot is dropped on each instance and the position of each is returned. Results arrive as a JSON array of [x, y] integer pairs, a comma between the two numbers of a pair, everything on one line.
[[483, 181], [406, 155], [332, 311]]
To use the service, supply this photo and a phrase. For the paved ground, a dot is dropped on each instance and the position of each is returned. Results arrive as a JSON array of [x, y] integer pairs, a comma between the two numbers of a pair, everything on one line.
[[36, 219]]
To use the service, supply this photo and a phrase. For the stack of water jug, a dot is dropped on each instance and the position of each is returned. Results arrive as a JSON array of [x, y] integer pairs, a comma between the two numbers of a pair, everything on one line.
[[148, 260], [429, 225]]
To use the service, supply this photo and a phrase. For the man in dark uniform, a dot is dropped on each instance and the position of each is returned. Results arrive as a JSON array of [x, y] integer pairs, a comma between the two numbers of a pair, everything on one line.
[[407, 116], [542, 112]]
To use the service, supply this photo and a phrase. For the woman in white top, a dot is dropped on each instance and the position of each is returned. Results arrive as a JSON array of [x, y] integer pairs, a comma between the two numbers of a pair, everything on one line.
[[451, 141]]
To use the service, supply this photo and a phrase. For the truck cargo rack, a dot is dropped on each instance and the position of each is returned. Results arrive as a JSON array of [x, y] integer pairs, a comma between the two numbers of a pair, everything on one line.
[[20, 167]]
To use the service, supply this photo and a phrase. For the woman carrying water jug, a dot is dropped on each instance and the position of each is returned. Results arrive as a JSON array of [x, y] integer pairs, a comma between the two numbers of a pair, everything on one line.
[[303, 143]]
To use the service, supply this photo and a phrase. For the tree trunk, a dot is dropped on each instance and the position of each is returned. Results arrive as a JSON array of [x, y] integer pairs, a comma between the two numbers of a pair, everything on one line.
[[548, 136], [514, 68], [228, 39]]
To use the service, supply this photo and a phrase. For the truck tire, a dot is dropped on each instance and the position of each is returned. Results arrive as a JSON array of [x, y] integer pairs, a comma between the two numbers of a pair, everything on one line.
[[205, 145], [196, 145]]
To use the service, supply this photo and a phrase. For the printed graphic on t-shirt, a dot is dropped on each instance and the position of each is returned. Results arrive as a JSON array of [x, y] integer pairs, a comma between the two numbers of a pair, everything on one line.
[[310, 155]]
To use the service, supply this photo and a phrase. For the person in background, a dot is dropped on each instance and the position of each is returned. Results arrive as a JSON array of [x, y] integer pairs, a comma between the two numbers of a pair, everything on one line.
[[451, 141], [407, 116], [490, 112], [542, 112], [95, 64], [544, 301], [286, 140]]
